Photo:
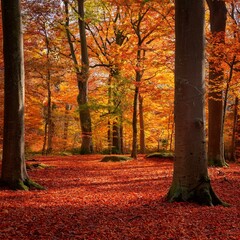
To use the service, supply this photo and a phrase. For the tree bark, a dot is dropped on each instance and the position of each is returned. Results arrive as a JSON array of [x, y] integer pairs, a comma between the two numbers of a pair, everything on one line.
[[190, 177], [134, 124], [116, 114], [218, 19], [14, 172], [117, 142], [82, 77], [141, 125], [233, 157], [68, 107], [237, 139], [84, 111], [110, 107]]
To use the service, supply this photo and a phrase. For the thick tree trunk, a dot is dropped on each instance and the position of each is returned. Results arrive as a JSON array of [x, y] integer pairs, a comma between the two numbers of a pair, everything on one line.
[[216, 77], [14, 172], [190, 178]]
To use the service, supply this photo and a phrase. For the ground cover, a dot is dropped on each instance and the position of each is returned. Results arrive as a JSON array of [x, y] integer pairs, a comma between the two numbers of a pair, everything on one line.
[[90, 199]]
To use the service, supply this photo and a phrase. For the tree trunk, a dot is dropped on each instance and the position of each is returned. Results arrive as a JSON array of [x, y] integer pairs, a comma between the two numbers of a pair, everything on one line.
[[141, 124], [170, 131], [49, 124], [134, 123], [135, 103], [234, 133], [82, 77], [117, 113], [110, 106], [216, 77], [45, 138], [84, 111], [68, 107], [85, 118], [190, 177], [14, 172], [237, 139], [116, 141]]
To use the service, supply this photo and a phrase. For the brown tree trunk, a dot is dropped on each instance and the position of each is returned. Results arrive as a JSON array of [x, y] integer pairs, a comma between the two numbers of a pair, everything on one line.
[[116, 142], [237, 139], [233, 157], [84, 111], [134, 124], [116, 115], [85, 118], [66, 123], [190, 177], [141, 125], [216, 77], [110, 106], [49, 124], [14, 172], [82, 77]]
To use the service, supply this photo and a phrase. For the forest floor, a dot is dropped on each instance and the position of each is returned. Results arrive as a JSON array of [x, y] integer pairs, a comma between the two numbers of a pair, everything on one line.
[[89, 199]]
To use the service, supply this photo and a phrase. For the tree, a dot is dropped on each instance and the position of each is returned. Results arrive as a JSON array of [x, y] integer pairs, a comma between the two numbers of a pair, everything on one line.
[[218, 18], [190, 177], [14, 172], [144, 36], [1, 82], [235, 131], [45, 70], [82, 75], [108, 37]]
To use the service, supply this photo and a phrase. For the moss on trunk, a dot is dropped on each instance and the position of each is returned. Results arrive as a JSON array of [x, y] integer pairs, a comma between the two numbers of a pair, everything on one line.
[[215, 162], [22, 185], [202, 194]]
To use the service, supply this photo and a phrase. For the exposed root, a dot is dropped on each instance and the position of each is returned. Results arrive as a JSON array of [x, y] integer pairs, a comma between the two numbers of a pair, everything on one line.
[[202, 194], [33, 185], [26, 185]]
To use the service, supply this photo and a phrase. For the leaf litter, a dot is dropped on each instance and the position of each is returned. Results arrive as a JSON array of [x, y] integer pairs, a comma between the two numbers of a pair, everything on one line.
[[89, 199]]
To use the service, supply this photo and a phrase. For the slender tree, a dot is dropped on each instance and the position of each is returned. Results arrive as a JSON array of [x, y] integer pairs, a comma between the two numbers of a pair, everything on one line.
[[82, 72], [141, 125], [190, 177], [142, 38], [235, 132], [104, 51], [14, 172], [84, 111]]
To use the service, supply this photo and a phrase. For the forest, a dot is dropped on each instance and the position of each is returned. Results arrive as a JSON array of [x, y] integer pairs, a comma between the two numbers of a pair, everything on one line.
[[121, 117], [129, 47]]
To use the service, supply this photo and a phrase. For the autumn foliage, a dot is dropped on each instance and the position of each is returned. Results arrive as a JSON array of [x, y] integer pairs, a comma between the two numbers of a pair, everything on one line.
[[113, 29]]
